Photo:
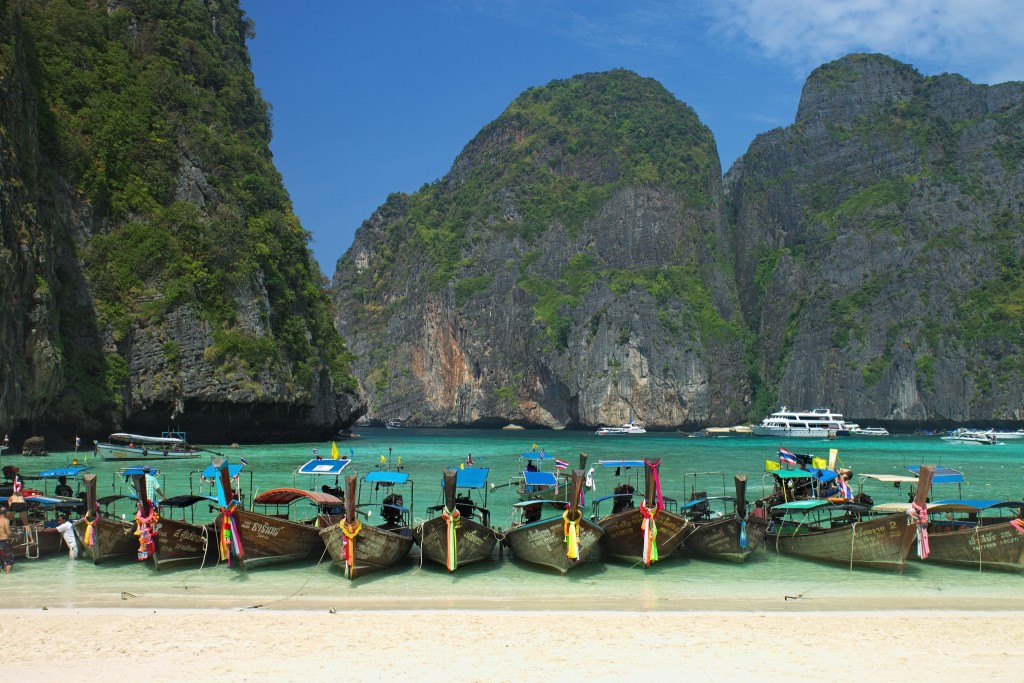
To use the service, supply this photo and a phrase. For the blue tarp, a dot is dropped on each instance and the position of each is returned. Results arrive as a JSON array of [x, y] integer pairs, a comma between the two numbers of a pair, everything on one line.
[[72, 471], [211, 472], [383, 477], [472, 478], [823, 476], [943, 475], [621, 463], [539, 478], [141, 469], [327, 467], [537, 455]]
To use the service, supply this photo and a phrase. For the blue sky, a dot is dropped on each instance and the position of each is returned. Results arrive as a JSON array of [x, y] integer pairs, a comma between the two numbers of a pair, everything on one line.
[[374, 97]]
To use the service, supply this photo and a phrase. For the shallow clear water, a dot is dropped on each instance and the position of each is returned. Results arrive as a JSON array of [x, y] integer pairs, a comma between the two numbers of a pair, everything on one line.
[[679, 582]]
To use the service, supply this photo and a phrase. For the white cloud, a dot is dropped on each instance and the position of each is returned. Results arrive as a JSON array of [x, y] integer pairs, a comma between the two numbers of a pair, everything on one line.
[[981, 39]]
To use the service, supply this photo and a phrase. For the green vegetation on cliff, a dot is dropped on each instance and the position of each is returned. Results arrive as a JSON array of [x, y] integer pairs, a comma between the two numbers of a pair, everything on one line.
[[149, 110]]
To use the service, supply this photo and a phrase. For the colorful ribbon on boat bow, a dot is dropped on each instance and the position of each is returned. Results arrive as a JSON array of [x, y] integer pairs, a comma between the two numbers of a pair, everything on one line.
[[228, 541], [90, 526], [1019, 523], [648, 526], [918, 516], [452, 519], [146, 530], [572, 534], [348, 543]]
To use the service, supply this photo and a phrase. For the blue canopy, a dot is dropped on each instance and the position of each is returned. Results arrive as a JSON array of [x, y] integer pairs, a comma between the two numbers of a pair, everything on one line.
[[537, 455], [211, 472], [50, 501], [693, 503], [539, 478], [943, 475], [72, 471], [138, 470], [621, 463], [472, 478], [327, 467], [384, 477]]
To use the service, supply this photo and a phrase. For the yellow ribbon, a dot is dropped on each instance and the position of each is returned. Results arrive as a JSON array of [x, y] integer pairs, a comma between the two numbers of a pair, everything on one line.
[[350, 533], [572, 535]]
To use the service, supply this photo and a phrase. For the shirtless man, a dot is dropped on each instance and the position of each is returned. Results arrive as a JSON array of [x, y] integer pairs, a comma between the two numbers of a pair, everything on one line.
[[6, 553]]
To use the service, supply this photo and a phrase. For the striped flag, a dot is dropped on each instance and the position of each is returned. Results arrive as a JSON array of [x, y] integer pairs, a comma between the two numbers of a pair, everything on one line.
[[78, 442], [786, 457], [561, 464], [844, 489], [243, 461]]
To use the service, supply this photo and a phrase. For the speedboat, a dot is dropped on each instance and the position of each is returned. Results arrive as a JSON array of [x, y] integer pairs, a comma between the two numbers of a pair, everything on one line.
[[971, 436], [630, 427], [870, 431]]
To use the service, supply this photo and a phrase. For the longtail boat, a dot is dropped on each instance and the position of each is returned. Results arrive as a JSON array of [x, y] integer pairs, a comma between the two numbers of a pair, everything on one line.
[[979, 534], [727, 533], [40, 538], [179, 541], [359, 549], [644, 534], [277, 535], [846, 533], [461, 534], [560, 541], [101, 536]]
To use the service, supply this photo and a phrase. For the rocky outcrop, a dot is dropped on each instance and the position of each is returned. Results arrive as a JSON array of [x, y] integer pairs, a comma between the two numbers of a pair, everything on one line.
[[561, 310], [867, 257], [878, 244], [138, 289]]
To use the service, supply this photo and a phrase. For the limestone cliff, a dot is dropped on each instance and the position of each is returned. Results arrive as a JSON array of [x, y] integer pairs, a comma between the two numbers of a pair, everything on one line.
[[569, 270], [152, 269], [878, 246]]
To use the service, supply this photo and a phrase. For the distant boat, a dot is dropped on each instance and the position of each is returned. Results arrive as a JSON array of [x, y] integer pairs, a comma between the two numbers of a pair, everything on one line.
[[870, 431], [820, 423], [971, 436], [170, 445], [397, 423], [630, 427]]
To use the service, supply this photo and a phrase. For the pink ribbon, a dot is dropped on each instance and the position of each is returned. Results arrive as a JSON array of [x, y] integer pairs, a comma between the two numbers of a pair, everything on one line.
[[918, 516]]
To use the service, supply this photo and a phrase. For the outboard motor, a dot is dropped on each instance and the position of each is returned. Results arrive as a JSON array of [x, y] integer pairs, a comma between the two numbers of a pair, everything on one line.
[[392, 516], [623, 498]]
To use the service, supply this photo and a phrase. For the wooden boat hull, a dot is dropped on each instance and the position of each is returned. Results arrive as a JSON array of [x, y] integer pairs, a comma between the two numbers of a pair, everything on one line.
[[375, 549], [180, 543], [114, 539], [268, 540], [998, 547], [543, 543], [473, 541], [875, 543], [39, 542], [720, 538], [624, 537]]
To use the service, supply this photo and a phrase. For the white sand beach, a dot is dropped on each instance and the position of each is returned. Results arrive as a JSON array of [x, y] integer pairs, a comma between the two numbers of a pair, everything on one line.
[[166, 644]]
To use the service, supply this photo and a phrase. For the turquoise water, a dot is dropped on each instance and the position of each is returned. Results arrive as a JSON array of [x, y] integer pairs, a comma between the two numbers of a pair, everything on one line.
[[679, 582]]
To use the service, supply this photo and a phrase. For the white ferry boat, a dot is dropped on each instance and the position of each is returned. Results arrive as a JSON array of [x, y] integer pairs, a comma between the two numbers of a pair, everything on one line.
[[820, 423], [869, 431], [628, 428]]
